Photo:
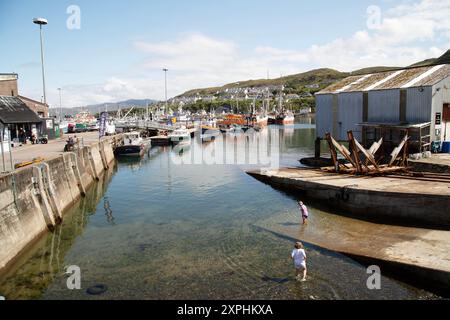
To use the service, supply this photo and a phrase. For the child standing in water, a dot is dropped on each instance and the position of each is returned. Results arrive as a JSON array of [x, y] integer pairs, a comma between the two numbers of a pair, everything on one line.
[[299, 257], [304, 212]]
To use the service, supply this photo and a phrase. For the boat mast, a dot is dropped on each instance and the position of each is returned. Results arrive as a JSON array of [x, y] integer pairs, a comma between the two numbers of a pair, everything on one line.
[[280, 102]]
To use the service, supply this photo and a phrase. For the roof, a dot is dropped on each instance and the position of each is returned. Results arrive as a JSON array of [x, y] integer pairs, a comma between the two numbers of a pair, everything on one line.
[[395, 79], [398, 125], [32, 101], [13, 110], [8, 76]]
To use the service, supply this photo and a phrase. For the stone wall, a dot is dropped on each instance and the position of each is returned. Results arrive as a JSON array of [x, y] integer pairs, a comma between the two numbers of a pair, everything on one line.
[[33, 199]]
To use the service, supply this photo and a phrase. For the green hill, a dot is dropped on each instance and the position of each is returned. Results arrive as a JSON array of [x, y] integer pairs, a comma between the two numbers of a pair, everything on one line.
[[373, 70], [445, 58], [293, 83], [307, 82]]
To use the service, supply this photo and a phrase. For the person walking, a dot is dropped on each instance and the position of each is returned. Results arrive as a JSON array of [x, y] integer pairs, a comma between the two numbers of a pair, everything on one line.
[[304, 212], [299, 257]]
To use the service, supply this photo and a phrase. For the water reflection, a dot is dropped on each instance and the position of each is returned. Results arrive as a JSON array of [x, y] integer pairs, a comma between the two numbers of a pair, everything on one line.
[[108, 211], [45, 260]]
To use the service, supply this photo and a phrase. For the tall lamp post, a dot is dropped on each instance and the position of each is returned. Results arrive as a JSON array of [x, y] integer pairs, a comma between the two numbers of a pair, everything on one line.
[[60, 105], [237, 98], [42, 22], [165, 87]]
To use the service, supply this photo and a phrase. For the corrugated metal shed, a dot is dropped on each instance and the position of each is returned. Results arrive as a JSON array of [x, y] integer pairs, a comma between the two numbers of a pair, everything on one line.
[[324, 114], [13, 110], [384, 106], [350, 113], [419, 103], [398, 79]]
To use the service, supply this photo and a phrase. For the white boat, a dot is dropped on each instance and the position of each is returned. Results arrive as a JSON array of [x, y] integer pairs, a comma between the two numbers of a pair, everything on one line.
[[133, 145], [179, 136], [262, 120]]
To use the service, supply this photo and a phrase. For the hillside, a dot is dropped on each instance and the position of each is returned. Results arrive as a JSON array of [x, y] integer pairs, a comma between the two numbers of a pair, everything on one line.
[[296, 83], [311, 81], [445, 58], [112, 106]]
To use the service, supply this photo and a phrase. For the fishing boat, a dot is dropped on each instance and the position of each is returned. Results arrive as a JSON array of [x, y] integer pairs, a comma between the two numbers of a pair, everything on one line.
[[180, 136], [232, 119], [282, 116], [209, 133], [133, 145], [285, 118], [261, 120]]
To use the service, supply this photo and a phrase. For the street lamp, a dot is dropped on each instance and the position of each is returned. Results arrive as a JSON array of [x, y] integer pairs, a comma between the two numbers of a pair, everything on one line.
[[42, 22], [237, 97], [165, 85], [60, 105]]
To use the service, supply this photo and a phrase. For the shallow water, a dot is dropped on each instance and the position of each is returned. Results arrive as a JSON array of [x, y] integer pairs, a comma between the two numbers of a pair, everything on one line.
[[153, 229]]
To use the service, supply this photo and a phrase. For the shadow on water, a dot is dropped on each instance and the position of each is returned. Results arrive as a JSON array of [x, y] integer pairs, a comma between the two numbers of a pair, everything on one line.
[[38, 267]]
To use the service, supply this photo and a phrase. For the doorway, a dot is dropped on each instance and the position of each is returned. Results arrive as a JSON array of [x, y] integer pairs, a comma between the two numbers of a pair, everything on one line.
[[446, 121]]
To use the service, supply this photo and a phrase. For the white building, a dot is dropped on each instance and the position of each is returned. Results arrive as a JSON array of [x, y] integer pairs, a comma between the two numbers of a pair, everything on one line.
[[407, 99]]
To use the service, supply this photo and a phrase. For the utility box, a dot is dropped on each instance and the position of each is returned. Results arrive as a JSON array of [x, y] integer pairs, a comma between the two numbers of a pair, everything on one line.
[[49, 128]]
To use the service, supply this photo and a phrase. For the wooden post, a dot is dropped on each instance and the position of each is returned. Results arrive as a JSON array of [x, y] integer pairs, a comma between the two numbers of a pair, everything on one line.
[[332, 152], [317, 148], [405, 151], [354, 149]]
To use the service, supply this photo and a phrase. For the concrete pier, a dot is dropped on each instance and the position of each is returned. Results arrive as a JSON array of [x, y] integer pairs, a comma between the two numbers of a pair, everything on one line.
[[392, 199], [421, 254], [412, 253], [33, 199]]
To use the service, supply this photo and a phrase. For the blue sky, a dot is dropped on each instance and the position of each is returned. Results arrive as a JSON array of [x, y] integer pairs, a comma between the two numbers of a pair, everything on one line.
[[121, 47]]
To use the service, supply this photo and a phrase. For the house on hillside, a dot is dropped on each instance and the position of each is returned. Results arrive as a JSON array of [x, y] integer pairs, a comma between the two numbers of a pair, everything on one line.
[[389, 104]]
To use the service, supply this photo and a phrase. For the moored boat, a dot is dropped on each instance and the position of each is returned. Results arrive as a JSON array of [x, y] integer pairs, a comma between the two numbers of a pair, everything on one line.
[[180, 136], [285, 118], [209, 133], [133, 145]]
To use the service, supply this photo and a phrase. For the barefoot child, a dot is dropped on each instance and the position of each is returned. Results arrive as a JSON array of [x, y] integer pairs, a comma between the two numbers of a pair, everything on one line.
[[304, 212], [299, 257]]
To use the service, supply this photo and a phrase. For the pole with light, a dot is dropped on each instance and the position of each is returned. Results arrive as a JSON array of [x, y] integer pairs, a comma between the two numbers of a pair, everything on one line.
[[237, 98], [165, 87], [60, 105], [42, 22]]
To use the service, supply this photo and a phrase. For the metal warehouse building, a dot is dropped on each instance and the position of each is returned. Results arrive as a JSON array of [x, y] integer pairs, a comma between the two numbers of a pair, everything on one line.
[[387, 104]]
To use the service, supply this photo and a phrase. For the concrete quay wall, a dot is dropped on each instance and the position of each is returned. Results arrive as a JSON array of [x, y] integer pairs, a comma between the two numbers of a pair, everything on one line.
[[407, 208], [34, 199]]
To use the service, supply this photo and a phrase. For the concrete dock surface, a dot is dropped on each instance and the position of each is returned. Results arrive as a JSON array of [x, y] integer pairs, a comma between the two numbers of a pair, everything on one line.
[[436, 163], [399, 200], [366, 183], [54, 148]]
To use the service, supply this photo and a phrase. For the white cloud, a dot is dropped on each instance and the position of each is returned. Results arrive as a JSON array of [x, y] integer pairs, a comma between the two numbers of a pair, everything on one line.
[[412, 31]]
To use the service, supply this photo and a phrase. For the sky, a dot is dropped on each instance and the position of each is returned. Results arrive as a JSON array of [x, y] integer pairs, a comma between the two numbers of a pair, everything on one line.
[[107, 51]]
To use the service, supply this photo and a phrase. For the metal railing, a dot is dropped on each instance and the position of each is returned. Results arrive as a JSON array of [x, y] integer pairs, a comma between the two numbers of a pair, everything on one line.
[[145, 124]]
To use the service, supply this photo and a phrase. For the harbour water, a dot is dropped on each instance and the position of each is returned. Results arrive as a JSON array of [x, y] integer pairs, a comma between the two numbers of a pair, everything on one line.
[[154, 229]]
